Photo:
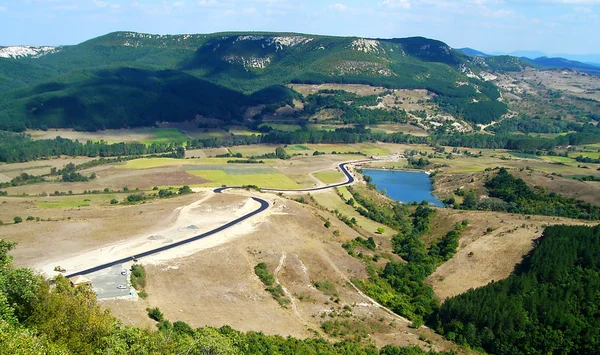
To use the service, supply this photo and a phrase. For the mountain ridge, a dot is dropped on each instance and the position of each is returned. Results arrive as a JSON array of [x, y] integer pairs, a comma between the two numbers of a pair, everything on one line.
[[83, 86]]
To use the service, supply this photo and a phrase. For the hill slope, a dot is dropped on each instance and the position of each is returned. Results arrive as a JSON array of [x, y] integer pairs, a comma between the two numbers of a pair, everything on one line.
[[128, 79]]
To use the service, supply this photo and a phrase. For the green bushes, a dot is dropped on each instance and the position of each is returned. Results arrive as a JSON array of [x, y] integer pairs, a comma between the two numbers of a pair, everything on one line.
[[327, 287], [263, 274], [138, 277]]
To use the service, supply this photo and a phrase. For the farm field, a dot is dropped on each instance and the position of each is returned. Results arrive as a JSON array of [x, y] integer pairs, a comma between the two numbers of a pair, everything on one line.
[[330, 177], [221, 178]]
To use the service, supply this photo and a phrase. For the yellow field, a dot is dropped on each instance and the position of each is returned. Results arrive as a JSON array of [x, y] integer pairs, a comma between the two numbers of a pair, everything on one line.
[[147, 163], [219, 178], [253, 150], [330, 177]]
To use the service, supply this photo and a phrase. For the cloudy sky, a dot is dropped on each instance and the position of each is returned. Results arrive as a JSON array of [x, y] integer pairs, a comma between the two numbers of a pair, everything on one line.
[[552, 26]]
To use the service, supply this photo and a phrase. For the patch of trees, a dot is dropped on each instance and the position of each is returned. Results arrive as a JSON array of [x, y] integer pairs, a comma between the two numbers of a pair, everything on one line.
[[549, 305], [527, 124], [510, 194], [23, 179]]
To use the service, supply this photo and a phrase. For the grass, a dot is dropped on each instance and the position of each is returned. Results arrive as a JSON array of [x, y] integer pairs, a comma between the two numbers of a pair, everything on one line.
[[344, 191], [524, 155], [220, 177], [297, 148], [329, 177], [62, 204], [556, 159]]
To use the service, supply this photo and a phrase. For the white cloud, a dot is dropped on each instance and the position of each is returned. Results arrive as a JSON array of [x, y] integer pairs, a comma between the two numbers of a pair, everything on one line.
[[339, 7], [206, 2], [405, 4]]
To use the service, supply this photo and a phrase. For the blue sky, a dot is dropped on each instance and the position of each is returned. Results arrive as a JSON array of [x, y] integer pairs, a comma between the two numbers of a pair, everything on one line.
[[552, 26]]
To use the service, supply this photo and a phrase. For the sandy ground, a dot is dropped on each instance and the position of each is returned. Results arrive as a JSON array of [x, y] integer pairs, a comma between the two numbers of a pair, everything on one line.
[[187, 221]]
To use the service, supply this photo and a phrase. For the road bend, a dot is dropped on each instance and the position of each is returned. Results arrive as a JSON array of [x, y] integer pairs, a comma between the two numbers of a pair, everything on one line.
[[263, 206]]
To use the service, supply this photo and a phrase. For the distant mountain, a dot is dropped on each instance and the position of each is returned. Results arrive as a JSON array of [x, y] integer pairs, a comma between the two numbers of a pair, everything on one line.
[[472, 52], [128, 79], [534, 58], [562, 63]]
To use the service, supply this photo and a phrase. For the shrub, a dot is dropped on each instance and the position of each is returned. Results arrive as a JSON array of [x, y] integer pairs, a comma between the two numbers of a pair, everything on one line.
[[155, 313], [30, 218], [263, 274], [18, 219]]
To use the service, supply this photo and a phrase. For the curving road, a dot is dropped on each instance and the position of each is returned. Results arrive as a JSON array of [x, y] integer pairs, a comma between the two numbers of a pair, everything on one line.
[[263, 206]]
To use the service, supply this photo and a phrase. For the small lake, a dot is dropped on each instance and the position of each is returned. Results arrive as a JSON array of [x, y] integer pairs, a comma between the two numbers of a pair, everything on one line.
[[404, 186]]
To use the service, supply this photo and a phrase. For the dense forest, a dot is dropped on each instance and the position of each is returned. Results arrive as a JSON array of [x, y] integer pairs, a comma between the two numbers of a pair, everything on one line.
[[549, 305], [39, 318]]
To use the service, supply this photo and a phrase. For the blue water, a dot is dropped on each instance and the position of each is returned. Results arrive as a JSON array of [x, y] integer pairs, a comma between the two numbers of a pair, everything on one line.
[[404, 186]]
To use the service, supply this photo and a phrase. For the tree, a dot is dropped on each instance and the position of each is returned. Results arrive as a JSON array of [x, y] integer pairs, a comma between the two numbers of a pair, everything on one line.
[[185, 190], [18, 219], [380, 230], [327, 224]]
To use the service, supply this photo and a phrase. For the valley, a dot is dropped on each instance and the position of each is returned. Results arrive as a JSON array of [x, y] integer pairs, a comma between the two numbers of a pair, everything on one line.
[[221, 182]]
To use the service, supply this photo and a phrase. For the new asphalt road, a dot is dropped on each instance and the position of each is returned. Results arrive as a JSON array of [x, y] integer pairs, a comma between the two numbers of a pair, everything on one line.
[[263, 206]]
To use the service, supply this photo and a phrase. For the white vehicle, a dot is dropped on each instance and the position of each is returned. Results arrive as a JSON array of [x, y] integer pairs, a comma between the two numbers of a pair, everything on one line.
[[121, 287], [123, 272]]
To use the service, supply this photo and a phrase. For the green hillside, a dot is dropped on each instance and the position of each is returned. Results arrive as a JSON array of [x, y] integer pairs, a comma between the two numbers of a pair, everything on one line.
[[127, 79]]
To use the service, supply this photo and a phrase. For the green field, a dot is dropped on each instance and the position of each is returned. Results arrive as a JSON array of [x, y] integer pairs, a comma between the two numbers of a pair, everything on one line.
[[330, 177], [74, 201], [167, 135], [220, 177], [593, 155]]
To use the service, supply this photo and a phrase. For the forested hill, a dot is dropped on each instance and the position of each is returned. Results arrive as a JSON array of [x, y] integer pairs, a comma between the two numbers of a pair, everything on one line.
[[128, 79], [549, 306]]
